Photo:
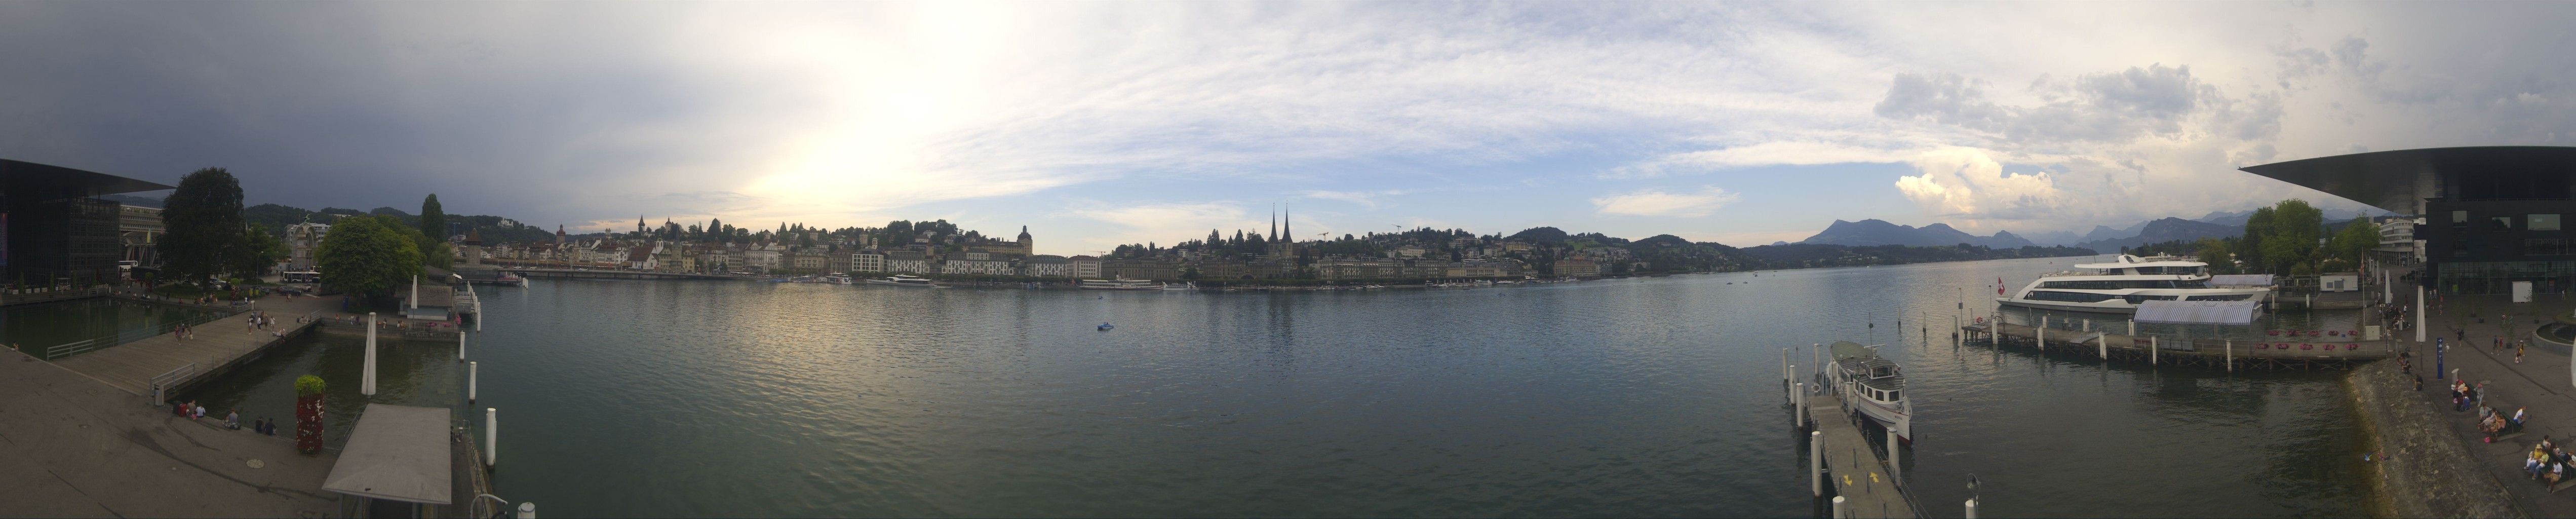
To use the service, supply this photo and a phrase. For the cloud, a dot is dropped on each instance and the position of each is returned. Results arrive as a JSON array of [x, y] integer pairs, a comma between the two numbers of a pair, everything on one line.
[[1364, 198], [1798, 153], [1658, 202], [1967, 182]]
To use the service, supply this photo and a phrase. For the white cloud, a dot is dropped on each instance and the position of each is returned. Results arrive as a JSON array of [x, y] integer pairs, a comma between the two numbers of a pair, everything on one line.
[[1658, 202], [1364, 198], [1967, 182]]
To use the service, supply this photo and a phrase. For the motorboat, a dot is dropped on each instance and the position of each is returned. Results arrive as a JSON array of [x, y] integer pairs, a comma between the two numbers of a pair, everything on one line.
[[1118, 284], [1179, 287], [2121, 285], [1872, 386], [901, 280], [1106, 326]]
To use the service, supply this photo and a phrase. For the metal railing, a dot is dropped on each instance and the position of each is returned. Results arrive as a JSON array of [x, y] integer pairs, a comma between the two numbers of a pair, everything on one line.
[[102, 341], [70, 348], [160, 384]]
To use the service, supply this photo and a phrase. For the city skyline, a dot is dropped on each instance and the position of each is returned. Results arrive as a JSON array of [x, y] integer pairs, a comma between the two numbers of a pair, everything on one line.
[[1130, 123]]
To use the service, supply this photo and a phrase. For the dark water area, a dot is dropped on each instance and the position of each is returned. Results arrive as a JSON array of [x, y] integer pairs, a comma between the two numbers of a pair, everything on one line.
[[1648, 397]]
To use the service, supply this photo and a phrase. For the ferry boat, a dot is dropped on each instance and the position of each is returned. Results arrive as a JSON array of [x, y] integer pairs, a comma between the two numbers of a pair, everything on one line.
[[2119, 286], [1872, 386], [1118, 284], [1178, 287], [902, 281]]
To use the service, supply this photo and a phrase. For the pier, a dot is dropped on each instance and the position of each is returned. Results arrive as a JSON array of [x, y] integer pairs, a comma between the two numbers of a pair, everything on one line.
[[2295, 351], [1851, 477], [221, 344]]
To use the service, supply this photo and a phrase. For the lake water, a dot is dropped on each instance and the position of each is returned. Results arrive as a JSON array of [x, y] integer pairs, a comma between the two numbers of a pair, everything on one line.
[[1652, 397]]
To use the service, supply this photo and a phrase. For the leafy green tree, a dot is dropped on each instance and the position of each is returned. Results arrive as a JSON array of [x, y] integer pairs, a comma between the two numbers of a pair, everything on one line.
[[2290, 237], [204, 222], [433, 219], [2214, 252], [259, 253], [368, 255], [2355, 240]]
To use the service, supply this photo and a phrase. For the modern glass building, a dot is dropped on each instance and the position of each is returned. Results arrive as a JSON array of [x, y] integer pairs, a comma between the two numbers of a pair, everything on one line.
[[53, 231], [2492, 215]]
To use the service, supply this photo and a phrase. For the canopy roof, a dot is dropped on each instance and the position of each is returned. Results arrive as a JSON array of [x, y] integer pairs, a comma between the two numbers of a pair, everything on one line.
[[2398, 180], [32, 181], [399, 453]]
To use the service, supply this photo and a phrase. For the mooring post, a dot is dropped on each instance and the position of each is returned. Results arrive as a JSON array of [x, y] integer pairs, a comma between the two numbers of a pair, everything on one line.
[[2231, 355], [2133, 327], [527, 511], [460, 345], [2088, 324], [1784, 366], [369, 386], [491, 437], [1802, 405], [2152, 346], [2104, 345], [2041, 336], [472, 373], [1972, 508], [1838, 507], [1895, 463], [1816, 462], [2419, 317]]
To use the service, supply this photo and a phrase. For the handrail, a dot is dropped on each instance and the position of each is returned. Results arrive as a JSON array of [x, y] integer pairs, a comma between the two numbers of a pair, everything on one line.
[[70, 348], [159, 382]]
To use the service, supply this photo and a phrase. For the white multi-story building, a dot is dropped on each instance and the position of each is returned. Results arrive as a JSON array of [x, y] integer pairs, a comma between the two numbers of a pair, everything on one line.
[[867, 262], [1046, 265], [1082, 267], [976, 266], [907, 262]]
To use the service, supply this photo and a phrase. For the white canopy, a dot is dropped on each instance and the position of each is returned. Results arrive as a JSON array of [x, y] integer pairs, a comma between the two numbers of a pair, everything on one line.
[[2198, 312], [399, 453]]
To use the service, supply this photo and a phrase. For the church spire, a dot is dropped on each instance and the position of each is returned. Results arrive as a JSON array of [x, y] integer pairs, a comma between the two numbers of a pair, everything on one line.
[[1274, 222]]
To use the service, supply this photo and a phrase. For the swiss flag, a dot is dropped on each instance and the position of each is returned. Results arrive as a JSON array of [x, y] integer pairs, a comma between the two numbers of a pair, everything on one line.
[[1999, 286]]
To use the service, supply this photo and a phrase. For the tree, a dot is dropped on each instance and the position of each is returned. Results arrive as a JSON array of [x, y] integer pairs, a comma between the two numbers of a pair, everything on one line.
[[2214, 252], [259, 252], [203, 219], [433, 219], [368, 256], [2289, 234], [2355, 240]]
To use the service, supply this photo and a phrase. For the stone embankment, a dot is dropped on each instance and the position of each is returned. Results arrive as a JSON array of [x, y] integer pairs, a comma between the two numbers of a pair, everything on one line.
[[2422, 469]]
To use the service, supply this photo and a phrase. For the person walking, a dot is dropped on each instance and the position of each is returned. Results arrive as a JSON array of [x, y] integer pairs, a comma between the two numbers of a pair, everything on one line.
[[2517, 350]]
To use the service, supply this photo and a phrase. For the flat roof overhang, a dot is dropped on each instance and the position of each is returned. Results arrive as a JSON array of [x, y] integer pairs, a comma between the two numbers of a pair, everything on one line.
[[31, 181], [2399, 180]]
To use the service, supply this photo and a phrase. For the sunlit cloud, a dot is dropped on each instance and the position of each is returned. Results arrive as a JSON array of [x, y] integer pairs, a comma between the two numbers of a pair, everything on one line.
[[1658, 202]]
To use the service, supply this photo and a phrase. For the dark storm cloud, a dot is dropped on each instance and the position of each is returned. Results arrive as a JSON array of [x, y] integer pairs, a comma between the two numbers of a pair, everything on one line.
[[500, 108]]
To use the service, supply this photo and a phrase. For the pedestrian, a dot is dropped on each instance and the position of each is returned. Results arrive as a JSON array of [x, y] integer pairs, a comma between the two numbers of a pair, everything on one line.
[[2517, 351]]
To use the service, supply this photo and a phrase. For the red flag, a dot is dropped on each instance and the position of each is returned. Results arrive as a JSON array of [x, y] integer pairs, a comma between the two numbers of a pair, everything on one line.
[[1999, 286]]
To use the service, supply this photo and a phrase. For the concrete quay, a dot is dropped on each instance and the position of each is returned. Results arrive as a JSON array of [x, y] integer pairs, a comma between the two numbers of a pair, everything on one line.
[[2325, 352], [78, 448], [2542, 384], [218, 346]]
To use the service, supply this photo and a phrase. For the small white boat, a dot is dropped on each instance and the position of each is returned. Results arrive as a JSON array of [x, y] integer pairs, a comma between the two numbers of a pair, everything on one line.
[[1178, 287], [902, 281], [1872, 386]]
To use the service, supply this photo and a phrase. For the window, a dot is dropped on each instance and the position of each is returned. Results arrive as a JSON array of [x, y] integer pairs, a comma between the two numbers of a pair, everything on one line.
[[2500, 223], [2544, 247], [2543, 222], [2075, 297], [2459, 220]]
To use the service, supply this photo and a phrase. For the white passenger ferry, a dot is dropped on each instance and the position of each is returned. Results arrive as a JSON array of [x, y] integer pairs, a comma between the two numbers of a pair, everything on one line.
[[902, 281], [1118, 284], [2121, 285]]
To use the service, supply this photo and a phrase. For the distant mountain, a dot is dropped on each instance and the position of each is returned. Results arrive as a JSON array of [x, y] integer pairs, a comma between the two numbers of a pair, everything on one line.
[[2166, 229], [2054, 238], [1879, 232], [2227, 218]]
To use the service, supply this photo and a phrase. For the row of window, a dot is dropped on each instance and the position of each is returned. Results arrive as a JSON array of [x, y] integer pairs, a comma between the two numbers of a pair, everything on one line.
[[2536, 222], [2121, 284], [2086, 297]]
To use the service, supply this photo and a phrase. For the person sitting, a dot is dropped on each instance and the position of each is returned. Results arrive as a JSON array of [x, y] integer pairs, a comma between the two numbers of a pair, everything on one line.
[[179, 409], [196, 411], [232, 420], [272, 428], [2532, 464]]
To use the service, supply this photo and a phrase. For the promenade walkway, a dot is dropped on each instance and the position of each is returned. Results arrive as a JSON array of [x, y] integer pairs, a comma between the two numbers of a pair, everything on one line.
[[132, 366], [1856, 473], [2541, 384], [75, 448]]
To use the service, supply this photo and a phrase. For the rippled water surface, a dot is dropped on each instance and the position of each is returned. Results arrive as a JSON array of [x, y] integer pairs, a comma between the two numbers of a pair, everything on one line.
[[1654, 397]]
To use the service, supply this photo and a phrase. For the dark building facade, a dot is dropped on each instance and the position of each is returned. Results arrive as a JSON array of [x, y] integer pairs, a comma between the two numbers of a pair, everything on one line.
[[2492, 215], [57, 233]]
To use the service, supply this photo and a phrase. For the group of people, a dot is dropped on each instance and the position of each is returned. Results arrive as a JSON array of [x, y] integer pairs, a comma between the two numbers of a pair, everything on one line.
[[2496, 423], [232, 419], [2548, 462], [2464, 396]]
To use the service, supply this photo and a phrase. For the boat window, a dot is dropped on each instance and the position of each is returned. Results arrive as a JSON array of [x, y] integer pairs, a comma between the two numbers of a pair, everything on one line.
[[1891, 396], [2077, 297]]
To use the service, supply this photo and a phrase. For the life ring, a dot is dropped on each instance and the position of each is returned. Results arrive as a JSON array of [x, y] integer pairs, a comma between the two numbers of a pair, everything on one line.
[[2307, 346]]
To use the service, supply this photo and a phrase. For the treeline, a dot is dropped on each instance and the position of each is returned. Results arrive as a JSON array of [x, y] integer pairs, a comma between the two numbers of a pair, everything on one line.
[[2290, 237]]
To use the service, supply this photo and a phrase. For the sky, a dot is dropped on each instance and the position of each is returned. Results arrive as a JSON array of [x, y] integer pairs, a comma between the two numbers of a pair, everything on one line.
[[1095, 124]]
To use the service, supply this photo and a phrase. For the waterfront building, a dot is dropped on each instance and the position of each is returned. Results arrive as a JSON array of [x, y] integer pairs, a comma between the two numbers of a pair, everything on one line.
[[908, 262], [1084, 267], [763, 257], [640, 258], [2397, 239], [58, 233], [835, 261], [139, 229], [1577, 267], [1356, 268], [1150, 269], [1046, 265], [867, 261], [301, 240], [2490, 215], [977, 266], [1480, 269]]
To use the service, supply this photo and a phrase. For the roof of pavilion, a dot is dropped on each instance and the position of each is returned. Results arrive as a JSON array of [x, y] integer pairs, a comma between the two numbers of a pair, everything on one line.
[[2397, 180], [28, 180]]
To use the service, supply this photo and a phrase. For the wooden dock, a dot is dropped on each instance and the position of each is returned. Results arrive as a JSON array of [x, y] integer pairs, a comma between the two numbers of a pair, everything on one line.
[[2298, 351], [1854, 469], [219, 346]]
